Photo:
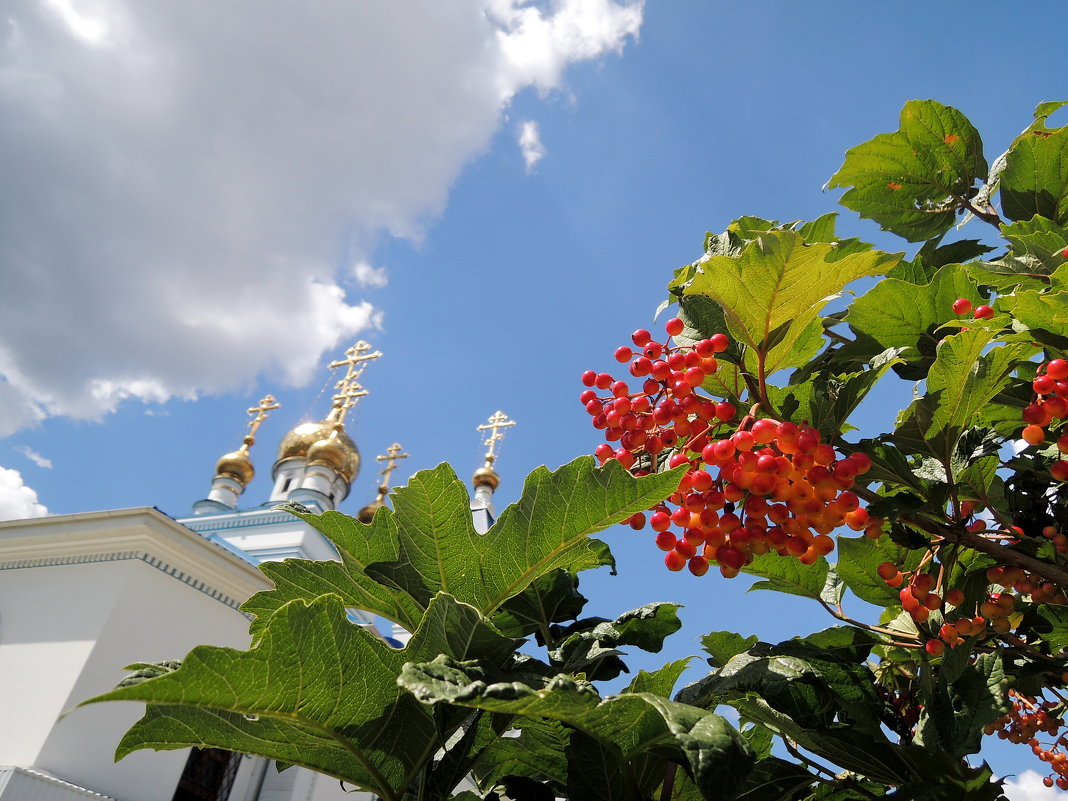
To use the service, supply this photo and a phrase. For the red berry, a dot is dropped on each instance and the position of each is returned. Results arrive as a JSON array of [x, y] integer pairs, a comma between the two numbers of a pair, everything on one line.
[[935, 647], [962, 306], [983, 313], [674, 326], [1036, 414], [1059, 470], [698, 565], [589, 378], [1057, 369], [623, 354], [725, 411], [674, 560], [1043, 385], [641, 337], [1033, 435], [720, 342]]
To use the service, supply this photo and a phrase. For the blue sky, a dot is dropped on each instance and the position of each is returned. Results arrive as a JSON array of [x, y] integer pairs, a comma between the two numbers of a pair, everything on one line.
[[188, 197]]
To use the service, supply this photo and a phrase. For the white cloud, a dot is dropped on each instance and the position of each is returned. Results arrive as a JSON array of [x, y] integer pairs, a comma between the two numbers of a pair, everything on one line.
[[177, 180], [1028, 787], [16, 499], [35, 457], [368, 276], [530, 144]]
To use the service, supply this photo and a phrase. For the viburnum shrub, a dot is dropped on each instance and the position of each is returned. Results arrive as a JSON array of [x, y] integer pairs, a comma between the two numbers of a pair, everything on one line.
[[735, 438]]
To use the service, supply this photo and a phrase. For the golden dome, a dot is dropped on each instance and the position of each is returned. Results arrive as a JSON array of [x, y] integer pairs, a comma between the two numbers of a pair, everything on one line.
[[338, 452], [237, 466], [367, 513], [295, 444], [486, 477]]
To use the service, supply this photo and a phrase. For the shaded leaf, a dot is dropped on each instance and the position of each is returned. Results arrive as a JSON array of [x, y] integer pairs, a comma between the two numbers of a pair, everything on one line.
[[552, 598], [593, 651], [1035, 179], [722, 646], [714, 754]]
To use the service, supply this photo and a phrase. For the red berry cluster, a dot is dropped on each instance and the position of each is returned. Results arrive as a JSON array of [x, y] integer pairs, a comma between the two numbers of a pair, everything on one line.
[[1050, 402], [1007, 586], [752, 487], [1030, 718]]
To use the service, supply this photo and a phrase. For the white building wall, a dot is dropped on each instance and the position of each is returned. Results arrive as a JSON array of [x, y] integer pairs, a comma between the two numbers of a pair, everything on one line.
[[156, 616]]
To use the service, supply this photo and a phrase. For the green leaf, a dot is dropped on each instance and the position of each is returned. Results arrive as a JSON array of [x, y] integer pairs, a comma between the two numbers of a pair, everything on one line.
[[722, 646], [954, 718], [913, 181], [774, 779], [539, 753], [552, 598], [964, 378], [859, 559], [1035, 179], [1038, 240], [786, 574], [480, 732], [847, 643], [825, 400], [773, 292], [1043, 314], [1055, 633], [661, 681], [317, 691], [427, 543], [627, 726], [898, 314], [810, 685], [590, 651], [593, 772]]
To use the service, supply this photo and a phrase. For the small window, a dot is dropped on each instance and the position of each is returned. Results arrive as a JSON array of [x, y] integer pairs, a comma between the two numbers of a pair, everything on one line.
[[208, 776], [286, 483]]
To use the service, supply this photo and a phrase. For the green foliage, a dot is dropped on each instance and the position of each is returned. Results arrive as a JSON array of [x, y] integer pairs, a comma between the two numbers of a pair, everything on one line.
[[499, 682]]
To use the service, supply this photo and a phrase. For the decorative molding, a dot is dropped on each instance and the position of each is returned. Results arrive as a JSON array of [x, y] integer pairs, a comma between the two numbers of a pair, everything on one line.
[[148, 559], [238, 520], [46, 778]]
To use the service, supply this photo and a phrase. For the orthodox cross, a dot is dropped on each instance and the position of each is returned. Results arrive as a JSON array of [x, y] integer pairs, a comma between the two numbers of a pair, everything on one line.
[[348, 387], [496, 422], [392, 456], [259, 413], [355, 362]]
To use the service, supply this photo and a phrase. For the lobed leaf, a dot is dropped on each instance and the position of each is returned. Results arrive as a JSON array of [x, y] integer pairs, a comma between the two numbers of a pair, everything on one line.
[[913, 181], [772, 293], [427, 543]]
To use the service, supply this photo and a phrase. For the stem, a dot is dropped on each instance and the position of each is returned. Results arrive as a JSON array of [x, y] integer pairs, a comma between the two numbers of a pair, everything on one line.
[[989, 215], [837, 613], [792, 748], [668, 786], [1002, 553]]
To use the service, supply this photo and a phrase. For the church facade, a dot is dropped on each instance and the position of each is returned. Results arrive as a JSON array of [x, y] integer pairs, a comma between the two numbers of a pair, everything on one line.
[[83, 595]]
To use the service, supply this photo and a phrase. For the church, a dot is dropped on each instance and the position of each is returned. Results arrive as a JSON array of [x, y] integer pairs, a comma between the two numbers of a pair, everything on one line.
[[84, 595]]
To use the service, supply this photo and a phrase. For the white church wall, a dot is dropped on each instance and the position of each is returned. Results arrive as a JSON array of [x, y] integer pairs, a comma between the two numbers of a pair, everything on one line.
[[157, 616], [50, 617]]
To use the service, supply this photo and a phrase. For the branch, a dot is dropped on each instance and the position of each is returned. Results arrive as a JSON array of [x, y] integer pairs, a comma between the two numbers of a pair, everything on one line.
[[958, 536]]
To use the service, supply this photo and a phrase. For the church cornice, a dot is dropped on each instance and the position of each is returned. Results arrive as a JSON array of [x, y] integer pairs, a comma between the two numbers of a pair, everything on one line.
[[144, 534]]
